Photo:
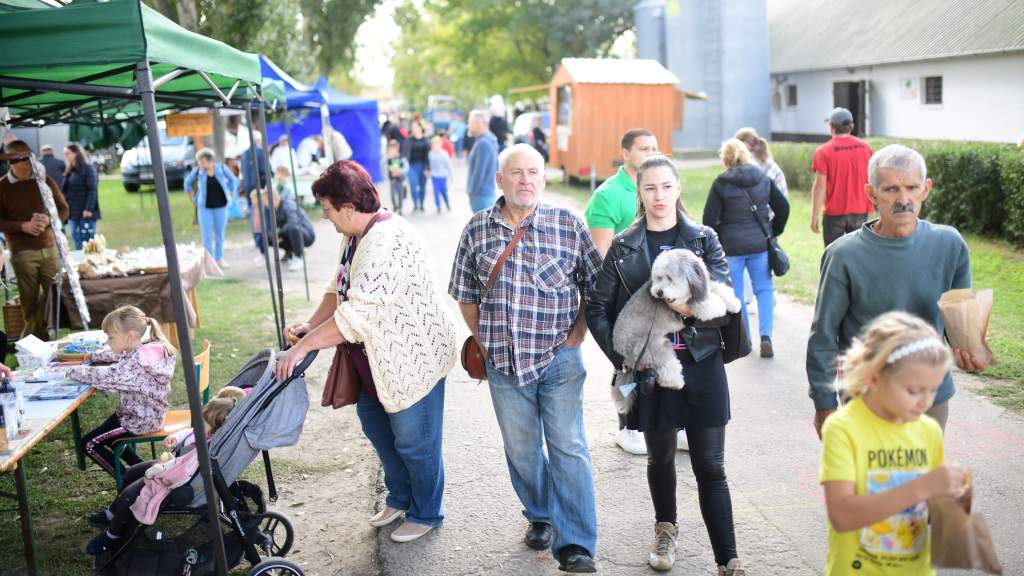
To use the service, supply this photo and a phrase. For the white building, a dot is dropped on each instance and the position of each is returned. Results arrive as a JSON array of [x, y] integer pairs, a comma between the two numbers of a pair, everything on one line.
[[929, 69]]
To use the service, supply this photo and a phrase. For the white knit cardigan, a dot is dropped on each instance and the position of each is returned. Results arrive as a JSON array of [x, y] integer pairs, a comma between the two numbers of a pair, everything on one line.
[[394, 307]]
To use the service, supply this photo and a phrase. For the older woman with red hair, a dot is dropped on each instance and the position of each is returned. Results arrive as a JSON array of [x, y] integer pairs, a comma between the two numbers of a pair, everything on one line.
[[385, 305]]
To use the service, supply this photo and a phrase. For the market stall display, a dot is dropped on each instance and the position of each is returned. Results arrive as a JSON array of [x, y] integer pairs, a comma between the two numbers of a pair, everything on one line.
[[138, 277]]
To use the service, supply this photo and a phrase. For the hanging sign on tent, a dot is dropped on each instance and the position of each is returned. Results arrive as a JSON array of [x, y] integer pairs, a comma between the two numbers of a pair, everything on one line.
[[190, 124]]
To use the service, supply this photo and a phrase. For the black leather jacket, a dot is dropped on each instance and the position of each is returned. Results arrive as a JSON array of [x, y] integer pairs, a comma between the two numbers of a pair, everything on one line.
[[628, 265]]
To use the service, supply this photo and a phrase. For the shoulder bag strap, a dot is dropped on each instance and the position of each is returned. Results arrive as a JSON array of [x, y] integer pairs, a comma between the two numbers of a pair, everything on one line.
[[501, 261], [753, 212]]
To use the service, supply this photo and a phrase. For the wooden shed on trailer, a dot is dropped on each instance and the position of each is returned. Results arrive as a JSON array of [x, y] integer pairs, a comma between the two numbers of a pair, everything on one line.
[[594, 101]]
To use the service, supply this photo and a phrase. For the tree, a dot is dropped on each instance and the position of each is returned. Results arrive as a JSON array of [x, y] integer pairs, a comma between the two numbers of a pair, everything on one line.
[[470, 48]]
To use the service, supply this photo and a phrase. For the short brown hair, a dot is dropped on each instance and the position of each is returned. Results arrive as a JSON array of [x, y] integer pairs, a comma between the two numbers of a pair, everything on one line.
[[346, 182], [629, 137]]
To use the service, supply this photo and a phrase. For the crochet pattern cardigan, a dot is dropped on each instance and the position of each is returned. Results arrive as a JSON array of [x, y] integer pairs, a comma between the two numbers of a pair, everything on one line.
[[395, 309]]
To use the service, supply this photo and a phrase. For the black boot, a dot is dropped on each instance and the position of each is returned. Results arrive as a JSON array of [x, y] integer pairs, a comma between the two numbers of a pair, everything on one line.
[[766, 347]]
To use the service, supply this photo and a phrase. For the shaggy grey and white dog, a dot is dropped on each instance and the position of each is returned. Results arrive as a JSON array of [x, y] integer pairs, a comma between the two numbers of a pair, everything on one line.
[[678, 277]]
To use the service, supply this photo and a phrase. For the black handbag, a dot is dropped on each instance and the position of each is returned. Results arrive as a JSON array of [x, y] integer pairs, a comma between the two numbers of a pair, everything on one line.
[[735, 341], [778, 261]]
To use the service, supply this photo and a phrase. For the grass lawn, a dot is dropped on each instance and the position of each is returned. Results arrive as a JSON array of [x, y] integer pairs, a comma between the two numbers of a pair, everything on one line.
[[236, 318], [131, 218], [994, 264]]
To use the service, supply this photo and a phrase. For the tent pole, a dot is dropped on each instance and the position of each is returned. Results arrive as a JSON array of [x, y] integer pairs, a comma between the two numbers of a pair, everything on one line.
[[263, 226], [295, 188], [273, 215], [144, 82]]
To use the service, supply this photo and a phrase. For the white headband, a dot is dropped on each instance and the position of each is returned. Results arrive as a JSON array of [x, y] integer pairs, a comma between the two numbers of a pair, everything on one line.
[[913, 348]]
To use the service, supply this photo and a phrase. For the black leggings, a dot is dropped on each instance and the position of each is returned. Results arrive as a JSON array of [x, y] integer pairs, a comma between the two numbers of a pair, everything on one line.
[[98, 444], [707, 457]]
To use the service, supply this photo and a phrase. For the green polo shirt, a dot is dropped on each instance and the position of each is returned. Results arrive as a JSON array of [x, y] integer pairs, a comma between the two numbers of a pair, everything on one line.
[[613, 204]]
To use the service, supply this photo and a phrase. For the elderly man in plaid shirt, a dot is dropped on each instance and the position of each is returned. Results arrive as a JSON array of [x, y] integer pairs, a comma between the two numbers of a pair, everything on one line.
[[531, 324]]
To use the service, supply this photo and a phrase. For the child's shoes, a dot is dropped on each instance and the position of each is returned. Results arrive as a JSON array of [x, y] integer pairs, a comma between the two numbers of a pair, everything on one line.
[[99, 519], [100, 544]]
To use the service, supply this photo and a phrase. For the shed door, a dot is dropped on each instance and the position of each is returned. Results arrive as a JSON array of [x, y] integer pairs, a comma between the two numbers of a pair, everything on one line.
[[852, 96]]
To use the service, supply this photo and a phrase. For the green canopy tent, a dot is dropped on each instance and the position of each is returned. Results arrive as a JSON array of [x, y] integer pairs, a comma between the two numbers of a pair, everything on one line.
[[94, 62]]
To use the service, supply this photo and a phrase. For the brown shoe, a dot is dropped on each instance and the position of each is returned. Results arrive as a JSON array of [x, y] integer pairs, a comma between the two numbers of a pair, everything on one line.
[[663, 555], [733, 568], [410, 531], [385, 517]]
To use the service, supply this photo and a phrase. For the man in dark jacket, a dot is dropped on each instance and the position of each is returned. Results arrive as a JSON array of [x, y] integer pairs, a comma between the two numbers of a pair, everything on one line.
[[54, 166]]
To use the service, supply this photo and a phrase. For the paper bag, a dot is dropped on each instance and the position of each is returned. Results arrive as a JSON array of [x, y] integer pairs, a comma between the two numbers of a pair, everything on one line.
[[966, 317], [961, 539]]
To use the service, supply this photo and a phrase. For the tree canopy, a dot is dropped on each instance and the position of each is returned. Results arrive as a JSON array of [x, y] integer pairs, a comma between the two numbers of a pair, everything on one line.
[[472, 48]]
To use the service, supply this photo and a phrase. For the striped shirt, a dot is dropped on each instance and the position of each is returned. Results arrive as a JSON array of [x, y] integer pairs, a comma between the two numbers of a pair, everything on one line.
[[535, 300]]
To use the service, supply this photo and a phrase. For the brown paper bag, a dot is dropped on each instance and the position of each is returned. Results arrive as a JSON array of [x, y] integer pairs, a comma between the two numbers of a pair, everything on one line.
[[961, 539], [966, 317]]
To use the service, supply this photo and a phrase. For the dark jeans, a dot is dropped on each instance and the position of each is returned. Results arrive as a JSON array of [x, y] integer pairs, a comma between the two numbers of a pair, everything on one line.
[[835, 227], [98, 444], [293, 240], [707, 457]]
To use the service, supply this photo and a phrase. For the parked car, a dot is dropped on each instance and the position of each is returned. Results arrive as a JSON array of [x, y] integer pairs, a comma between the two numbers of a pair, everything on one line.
[[178, 156]]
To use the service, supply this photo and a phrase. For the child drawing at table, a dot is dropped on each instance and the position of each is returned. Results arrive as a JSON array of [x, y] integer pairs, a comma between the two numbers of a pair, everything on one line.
[[882, 456], [142, 365], [148, 485]]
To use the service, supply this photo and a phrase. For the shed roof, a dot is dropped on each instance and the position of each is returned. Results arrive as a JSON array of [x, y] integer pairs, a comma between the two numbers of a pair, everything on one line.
[[823, 34], [617, 71]]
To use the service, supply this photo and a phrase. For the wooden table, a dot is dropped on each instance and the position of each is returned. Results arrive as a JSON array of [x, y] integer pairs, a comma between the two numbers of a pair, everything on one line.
[[41, 418]]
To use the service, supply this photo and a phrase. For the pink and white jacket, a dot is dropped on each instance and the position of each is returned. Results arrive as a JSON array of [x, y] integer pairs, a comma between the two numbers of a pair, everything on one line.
[[142, 379], [164, 477]]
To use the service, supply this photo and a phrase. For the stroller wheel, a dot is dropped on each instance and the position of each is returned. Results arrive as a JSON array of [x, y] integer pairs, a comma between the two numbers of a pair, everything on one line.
[[275, 534], [276, 567]]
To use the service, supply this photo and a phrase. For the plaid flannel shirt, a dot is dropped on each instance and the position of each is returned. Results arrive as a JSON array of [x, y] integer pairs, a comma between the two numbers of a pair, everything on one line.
[[535, 300]]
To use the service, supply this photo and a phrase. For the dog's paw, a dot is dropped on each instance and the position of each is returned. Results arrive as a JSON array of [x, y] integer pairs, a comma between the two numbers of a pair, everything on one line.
[[732, 303], [673, 382], [710, 308]]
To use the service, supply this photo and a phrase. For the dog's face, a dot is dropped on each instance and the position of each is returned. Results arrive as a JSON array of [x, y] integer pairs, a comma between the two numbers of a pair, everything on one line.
[[678, 276]]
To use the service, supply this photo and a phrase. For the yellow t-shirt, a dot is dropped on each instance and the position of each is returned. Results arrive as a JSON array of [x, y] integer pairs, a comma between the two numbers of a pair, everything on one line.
[[858, 446]]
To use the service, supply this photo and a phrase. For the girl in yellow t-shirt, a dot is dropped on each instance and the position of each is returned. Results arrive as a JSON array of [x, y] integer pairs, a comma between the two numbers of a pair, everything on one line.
[[882, 456]]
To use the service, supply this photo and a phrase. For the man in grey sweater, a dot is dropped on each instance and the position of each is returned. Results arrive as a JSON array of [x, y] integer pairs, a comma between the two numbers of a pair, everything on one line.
[[897, 262], [483, 163]]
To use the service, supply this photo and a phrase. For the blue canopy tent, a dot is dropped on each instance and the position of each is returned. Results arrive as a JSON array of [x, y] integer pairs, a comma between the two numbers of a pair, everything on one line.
[[355, 118]]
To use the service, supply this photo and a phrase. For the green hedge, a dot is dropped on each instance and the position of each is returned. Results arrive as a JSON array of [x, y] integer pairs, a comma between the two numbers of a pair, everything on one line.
[[978, 186]]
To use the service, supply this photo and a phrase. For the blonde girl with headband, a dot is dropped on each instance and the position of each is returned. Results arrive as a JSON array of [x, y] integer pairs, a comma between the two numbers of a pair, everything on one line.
[[882, 456], [138, 366]]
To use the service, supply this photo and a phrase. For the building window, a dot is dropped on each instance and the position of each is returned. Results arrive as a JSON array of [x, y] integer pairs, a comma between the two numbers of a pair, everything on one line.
[[933, 90], [791, 95]]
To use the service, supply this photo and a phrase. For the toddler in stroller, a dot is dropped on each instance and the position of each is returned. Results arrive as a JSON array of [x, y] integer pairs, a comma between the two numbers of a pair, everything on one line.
[[155, 540]]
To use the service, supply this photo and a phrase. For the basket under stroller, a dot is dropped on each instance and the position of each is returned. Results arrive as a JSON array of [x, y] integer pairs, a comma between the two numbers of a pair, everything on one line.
[[180, 542]]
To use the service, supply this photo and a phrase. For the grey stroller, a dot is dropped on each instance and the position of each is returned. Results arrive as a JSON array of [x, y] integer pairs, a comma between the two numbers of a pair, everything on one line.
[[180, 543]]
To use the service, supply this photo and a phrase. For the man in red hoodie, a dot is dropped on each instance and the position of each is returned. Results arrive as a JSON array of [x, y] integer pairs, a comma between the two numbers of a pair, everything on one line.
[[840, 174]]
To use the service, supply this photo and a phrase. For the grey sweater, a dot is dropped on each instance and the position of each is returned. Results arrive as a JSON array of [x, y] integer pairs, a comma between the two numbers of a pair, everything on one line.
[[864, 275]]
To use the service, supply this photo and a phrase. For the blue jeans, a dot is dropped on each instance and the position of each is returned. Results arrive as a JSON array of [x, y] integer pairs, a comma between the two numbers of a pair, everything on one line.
[[479, 203], [417, 183], [213, 223], [408, 444], [82, 231], [559, 488], [761, 278], [440, 190]]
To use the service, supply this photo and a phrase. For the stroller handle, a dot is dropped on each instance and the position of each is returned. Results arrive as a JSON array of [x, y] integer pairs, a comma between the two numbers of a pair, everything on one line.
[[301, 367]]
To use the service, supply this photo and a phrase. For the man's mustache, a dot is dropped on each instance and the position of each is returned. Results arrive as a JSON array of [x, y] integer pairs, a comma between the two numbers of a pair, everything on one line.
[[900, 207]]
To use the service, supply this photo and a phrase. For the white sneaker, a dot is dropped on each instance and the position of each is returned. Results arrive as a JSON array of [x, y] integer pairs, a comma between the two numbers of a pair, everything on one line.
[[663, 555], [223, 264], [631, 441], [682, 444], [294, 265], [410, 531], [385, 517]]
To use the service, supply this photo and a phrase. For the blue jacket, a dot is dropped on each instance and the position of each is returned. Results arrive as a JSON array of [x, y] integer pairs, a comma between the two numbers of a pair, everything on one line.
[[483, 165], [227, 180], [81, 191], [247, 172]]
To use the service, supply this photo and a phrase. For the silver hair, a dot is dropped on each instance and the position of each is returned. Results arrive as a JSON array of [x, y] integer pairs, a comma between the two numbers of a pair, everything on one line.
[[478, 114], [517, 149], [896, 157], [205, 154]]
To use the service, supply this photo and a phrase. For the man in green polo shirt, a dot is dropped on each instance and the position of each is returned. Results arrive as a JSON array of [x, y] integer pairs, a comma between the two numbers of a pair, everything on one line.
[[611, 210]]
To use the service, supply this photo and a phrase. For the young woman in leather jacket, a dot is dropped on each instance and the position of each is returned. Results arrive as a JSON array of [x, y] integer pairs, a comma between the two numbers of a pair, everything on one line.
[[702, 405]]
